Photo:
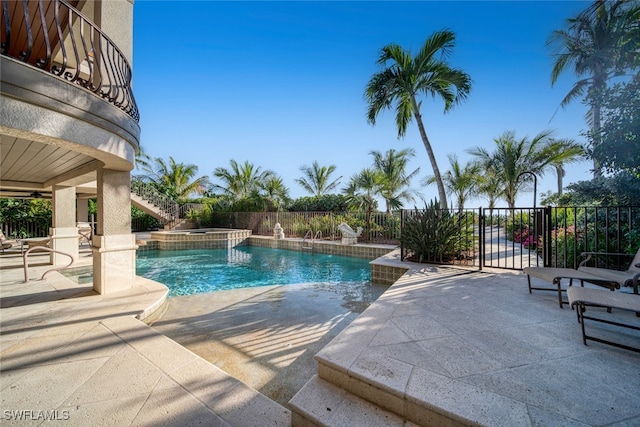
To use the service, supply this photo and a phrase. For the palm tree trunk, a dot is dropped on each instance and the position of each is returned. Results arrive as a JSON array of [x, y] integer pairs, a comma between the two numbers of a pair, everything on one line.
[[442, 195], [560, 175], [597, 173]]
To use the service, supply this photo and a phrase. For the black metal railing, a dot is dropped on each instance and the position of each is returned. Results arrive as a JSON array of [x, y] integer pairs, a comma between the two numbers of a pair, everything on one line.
[[165, 206], [571, 231], [54, 36], [523, 237]]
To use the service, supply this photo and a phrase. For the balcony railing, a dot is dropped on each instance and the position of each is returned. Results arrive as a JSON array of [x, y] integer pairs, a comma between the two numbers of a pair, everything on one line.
[[54, 36]]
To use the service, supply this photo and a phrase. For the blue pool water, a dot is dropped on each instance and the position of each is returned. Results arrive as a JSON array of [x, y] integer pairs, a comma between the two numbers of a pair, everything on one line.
[[195, 271]]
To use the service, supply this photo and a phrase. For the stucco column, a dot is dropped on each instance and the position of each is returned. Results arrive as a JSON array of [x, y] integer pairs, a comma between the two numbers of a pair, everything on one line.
[[114, 248], [82, 210], [63, 233]]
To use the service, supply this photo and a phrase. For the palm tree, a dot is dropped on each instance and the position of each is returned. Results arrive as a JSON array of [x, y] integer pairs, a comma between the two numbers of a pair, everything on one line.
[[490, 185], [176, 179], [395, 180], [241, 180], [143, 160], [461, 182], [362, 189], [316, 179], [274, 192], [599, 44], [569, 145], [512, 157], [406, 78]]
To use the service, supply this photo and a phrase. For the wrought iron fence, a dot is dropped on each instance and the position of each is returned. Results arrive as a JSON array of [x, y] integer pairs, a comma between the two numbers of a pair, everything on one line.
[[54, 36], [570, 231], [523, 237], [378, 227]]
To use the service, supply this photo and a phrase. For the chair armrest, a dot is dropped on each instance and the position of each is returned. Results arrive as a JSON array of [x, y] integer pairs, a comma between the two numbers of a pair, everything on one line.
[[636, 279], [589, 255]]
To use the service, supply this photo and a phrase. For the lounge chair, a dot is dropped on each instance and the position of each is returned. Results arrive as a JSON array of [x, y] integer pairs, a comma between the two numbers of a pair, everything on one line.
[[624, 278], [555, 276], [6, 243], [581, 298]]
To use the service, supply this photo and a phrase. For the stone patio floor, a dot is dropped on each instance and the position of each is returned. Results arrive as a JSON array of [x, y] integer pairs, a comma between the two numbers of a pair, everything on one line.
[[474, 345]]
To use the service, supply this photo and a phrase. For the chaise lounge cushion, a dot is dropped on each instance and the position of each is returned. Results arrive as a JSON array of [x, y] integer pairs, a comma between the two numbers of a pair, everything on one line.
[[625, 278]]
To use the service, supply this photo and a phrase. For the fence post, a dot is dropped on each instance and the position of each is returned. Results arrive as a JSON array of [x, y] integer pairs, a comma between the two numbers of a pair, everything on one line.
[[546, 253], [401, 228], [481, 237]]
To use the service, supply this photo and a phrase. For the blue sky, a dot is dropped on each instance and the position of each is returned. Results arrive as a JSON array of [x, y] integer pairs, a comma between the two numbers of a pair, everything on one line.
[[281, 84]]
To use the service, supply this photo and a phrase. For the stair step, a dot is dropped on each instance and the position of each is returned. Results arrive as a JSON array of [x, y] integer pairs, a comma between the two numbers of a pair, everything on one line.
[[320, 403]]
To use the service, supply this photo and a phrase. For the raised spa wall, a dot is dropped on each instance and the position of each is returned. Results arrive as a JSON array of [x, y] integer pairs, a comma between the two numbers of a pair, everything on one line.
[[385, 268]]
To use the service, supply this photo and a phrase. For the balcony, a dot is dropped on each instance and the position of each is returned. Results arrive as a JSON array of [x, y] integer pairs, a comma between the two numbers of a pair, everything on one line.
[[67, 107], [57, 38]]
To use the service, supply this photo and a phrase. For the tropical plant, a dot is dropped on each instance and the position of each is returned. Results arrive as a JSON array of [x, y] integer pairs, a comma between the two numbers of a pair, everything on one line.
[[512, 157], [437, 235], [241, 180], [489, 184], [275, 193], [622, 189], [362, 190], [599, 44], [618, 147], [174, 179], [559, 164], [316, 179], [461, 182], [406, 78], [326, 203], [395, 183]]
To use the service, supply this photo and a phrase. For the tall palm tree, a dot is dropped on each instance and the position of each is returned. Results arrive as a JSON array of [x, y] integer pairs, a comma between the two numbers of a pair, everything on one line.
[[395, 179], [316, 179], [568, 145], [598, 44], [176, 179], [461, 182], [512, 157], [406, 78], [241, 180]]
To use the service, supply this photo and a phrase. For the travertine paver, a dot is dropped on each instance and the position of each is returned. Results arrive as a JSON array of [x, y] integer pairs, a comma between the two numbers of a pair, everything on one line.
[[70, 355], [461, 347]]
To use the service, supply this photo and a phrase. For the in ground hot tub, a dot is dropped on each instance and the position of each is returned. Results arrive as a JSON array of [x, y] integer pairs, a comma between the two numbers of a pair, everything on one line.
[[202, 238]]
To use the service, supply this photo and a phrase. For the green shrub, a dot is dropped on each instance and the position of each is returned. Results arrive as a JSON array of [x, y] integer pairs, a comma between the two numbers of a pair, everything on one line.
[[436, 235]]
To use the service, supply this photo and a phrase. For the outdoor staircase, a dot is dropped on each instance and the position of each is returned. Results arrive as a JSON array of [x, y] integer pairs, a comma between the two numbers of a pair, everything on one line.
[[149, 200]]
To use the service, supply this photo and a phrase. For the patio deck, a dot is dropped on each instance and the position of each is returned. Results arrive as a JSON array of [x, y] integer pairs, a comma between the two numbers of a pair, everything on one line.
[[442, 345]]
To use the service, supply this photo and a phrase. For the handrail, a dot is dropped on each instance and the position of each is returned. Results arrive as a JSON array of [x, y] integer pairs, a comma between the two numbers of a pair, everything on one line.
[[25, 261], [56, 37], [168, 208]]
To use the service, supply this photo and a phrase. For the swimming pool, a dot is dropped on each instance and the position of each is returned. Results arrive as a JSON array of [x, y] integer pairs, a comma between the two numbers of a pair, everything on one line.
[[188, 272]]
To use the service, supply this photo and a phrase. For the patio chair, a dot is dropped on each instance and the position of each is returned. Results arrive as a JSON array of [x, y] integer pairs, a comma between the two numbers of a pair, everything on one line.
[[6, 243], [624, 278], [555, 276], [85, 232]]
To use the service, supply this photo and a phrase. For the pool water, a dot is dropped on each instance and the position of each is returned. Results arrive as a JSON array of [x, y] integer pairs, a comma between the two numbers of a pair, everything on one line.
[[188, 272]]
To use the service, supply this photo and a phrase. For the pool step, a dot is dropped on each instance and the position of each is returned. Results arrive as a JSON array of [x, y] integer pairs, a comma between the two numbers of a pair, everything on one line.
[[320, 403]]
